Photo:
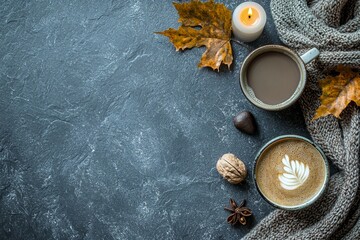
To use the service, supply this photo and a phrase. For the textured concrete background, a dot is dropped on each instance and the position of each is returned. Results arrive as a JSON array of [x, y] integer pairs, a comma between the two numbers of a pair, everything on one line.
[[107, 133]]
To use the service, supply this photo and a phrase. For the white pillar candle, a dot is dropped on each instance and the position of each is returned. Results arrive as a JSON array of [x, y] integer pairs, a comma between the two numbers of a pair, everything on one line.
[[248, 21]]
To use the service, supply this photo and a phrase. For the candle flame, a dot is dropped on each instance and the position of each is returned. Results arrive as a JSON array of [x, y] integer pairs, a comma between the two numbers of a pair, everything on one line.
[[250, 12]]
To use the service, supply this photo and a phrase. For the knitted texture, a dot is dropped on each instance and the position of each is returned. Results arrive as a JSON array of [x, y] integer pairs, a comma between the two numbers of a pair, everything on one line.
[[332, 26]]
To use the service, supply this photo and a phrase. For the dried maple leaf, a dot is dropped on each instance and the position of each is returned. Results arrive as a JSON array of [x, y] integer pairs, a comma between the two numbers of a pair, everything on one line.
[[214, 21], [338, 91]]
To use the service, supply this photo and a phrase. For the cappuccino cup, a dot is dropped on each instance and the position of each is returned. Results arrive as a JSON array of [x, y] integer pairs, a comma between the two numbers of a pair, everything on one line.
[[273, 77], [291, 172]]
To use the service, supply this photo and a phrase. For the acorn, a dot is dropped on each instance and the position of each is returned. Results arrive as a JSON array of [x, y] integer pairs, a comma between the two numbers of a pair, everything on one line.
[[245, 122]]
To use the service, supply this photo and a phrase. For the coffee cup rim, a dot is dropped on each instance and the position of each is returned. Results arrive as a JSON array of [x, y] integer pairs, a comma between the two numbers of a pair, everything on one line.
[[317, 196], [273, 48]]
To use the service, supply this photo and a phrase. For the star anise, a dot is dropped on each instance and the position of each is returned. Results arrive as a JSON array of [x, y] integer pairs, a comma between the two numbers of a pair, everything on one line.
[[239, 212]]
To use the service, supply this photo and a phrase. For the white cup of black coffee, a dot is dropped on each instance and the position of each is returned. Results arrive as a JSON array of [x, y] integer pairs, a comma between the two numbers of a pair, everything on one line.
[[273, 77]]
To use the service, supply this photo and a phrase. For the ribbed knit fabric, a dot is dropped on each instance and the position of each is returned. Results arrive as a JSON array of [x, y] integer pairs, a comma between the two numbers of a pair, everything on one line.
[[332, 26]]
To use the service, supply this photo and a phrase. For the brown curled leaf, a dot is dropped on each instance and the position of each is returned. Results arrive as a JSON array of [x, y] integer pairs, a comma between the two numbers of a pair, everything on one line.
[[338, 91], [204, 24]]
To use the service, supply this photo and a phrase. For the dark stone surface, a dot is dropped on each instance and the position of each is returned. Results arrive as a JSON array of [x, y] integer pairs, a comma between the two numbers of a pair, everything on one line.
[[107, 133]]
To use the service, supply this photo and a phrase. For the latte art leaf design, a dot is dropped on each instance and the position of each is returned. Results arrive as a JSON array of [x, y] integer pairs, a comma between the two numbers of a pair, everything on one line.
[[295, 173]]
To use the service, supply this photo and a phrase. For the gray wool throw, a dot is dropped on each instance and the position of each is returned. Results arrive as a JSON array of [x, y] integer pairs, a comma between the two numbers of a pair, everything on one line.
[[332, 26]]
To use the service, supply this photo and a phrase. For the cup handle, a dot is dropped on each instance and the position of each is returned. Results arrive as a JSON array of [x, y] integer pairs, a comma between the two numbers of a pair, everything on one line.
[[310, 55]]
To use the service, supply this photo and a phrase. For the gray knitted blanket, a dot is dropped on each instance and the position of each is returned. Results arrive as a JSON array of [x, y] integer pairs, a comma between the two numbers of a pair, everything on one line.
[[333, 26]]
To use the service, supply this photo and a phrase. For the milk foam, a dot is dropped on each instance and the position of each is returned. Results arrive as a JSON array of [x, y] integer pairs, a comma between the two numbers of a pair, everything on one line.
[[295, 175], [305, 184]]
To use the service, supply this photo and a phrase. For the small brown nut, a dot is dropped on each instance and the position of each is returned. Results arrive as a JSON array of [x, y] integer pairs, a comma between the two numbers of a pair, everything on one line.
[[231, 168], [245, 122]]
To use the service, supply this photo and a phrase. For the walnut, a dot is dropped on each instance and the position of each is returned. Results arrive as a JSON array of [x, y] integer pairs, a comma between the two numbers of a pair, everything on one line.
[[231, 168]]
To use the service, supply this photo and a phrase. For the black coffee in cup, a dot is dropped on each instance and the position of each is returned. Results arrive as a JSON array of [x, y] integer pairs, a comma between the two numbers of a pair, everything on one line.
[[273, 77]]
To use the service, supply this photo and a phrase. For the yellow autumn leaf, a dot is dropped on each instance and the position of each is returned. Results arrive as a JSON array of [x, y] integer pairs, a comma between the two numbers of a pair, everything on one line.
[[204, 24], [338, 91]]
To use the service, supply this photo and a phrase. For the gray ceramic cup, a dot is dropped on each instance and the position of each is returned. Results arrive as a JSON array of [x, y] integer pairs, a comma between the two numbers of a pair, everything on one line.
[[299, 60], [317, 196]]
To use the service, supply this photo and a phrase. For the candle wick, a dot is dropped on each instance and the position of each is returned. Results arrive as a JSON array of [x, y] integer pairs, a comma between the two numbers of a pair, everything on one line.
[[249, 16]]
